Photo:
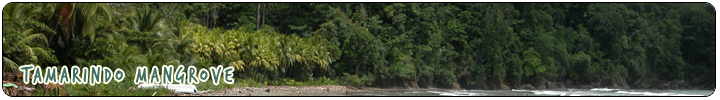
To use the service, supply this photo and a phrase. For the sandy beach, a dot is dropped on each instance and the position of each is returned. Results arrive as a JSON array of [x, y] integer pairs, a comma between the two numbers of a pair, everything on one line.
[[327, 90]]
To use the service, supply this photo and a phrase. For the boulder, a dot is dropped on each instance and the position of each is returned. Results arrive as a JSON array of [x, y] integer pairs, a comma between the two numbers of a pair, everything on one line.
[[568, 82], [542, 86], [563, 87], [456, 86], [551, 85], [504, 87], [666, 84], [681, 84], [527, 86], [674, 84]]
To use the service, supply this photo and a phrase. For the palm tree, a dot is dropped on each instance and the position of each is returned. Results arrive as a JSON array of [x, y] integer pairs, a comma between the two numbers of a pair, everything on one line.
[[30, 45], [22, 45], [147, 20], [90, 15]]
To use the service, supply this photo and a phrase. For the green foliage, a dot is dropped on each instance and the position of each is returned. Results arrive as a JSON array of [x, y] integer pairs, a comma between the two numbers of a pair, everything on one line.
[[24, 38], [532, 62], [311, 82], [321, 81], [477, 45], [352, 80]]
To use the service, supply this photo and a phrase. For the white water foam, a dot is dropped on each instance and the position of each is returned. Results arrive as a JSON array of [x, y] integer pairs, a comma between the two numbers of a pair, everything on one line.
[[374, 95], [557, 93], [688, 95], [656, 94], [454, 93], [561, 93], [644, 93], [415, 92], [604, 89], [626, 92], [519, 90]]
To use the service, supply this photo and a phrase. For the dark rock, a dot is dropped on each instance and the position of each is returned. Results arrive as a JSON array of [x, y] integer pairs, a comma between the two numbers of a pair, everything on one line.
[[666, 85], [551, 85], [585, 87], [456, 86], [674, 84], [568, 82], [644, 86], [504, 87], [681, 84], [527, 86], [637, 82], [542, 86], [563, 87]]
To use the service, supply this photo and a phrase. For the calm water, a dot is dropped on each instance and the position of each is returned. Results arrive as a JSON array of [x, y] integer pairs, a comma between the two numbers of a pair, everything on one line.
[[569, 92]]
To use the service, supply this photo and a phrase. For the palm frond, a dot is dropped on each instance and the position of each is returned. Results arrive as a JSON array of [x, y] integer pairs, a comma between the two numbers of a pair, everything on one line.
[[94, 14], [4, 43], [49, 9], [34, 38], [173, 62], [42, 27], [42, 53], [26, 32], [89, 9], [30, 52], [239, 64], [147, 19], [109, 12], [89, 29], [81, 62], [31, 13], [137, 59], [12, 10], [7, 63]]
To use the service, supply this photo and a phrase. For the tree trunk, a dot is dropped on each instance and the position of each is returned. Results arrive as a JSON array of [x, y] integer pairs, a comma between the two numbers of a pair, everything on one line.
[[265, 72], [212, 16], [263, 15], [257, 18], [357, 66]]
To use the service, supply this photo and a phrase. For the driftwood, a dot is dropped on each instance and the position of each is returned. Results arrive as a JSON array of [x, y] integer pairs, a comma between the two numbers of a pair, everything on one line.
[[26, 89], [19, 91], [9, 76], [53, 89]]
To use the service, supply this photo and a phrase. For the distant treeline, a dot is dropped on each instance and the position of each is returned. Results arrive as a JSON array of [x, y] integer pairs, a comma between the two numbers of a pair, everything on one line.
[[416, 45]]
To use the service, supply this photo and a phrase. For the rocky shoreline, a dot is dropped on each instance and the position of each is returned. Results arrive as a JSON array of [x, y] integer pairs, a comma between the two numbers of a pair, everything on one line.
[[337, 90], [327, 90]]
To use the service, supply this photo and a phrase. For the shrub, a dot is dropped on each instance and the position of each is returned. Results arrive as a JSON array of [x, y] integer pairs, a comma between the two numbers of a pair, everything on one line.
[[351, 80]]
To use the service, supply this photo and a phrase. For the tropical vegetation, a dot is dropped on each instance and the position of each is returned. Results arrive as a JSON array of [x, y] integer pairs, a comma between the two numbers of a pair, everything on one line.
[[403, 45]]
